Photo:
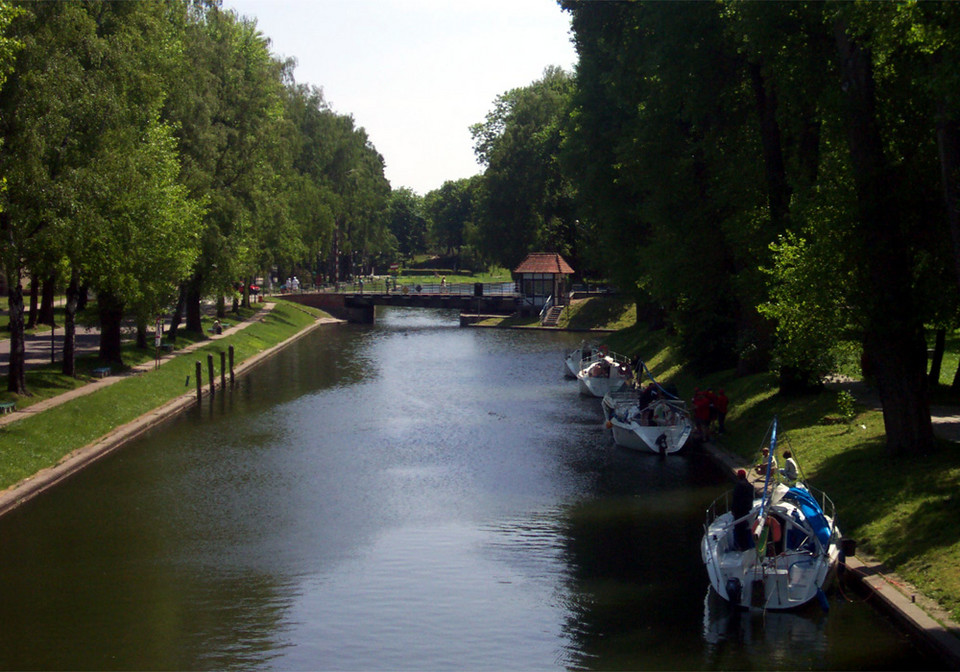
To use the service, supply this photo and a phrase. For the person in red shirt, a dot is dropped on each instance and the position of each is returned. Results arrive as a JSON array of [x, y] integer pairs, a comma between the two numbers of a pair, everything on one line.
[[701, 414], [722, 403]]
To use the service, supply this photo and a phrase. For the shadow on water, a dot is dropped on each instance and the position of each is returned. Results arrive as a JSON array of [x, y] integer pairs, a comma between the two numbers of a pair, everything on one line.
[[409, 495]]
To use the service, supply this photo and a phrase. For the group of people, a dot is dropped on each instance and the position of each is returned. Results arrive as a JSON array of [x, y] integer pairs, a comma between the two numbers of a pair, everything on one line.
[[709, 407], [293, 284]]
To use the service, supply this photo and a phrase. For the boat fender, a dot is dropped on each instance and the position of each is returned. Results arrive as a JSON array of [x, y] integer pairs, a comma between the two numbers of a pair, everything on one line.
[[604, 350], [609, 424], [662, 444]]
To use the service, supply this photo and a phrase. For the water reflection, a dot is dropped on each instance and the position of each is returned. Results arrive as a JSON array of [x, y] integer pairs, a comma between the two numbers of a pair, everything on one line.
[[410, 495], [779, 639]]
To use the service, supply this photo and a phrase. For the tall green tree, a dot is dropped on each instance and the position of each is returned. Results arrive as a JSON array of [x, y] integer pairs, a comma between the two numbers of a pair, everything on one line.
[[407, 222], [226, 103], [528, 200]]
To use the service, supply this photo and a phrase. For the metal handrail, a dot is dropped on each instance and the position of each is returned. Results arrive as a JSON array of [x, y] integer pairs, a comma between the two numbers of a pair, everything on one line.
[[546, 309]]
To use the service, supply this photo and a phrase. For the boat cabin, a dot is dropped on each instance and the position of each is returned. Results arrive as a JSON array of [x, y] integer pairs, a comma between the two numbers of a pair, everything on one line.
[[541, 278]]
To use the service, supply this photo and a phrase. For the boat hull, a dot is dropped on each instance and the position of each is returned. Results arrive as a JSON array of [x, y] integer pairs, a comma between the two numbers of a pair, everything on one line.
[[600, 386], [662, 440]]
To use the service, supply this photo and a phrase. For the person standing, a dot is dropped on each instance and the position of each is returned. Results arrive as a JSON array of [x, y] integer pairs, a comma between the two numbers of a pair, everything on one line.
[[701, 414], [722, 403], [740, 505]]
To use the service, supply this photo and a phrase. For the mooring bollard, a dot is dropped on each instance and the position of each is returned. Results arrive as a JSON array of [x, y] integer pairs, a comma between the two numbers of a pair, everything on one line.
[[231, 365], [213, 380], [199, 381], [223, 370]]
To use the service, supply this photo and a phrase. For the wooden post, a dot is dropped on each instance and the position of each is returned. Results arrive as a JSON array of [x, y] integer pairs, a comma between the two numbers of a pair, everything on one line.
[[231, 365], [199, 381], [223, 370], [210, 371]]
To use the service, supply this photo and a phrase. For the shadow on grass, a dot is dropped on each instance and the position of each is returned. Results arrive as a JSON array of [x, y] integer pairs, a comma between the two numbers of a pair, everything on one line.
[[881, 484]]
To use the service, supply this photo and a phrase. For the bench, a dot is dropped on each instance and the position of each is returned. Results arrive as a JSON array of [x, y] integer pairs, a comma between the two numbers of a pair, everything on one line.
[[166, 347], [7, 407], [101, 371]]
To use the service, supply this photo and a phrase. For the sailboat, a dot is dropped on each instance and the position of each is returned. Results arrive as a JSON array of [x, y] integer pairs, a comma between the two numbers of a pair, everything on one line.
[[791, 552]]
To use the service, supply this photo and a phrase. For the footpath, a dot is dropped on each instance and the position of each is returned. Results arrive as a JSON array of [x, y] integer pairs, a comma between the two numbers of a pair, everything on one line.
[[70, 464]]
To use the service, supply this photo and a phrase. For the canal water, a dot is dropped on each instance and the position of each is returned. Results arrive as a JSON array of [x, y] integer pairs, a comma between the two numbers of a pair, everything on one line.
[[410, 495]]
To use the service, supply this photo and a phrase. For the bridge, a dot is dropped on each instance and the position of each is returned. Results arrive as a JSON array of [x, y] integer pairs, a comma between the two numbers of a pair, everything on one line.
[[354, 304]]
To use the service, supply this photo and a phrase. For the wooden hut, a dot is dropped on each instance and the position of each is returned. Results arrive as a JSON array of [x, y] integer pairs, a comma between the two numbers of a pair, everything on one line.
[[539, 277]]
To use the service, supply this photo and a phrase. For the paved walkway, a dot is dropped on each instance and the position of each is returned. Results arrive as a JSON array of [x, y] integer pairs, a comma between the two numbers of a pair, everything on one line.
[[946, 419], [88, 343]]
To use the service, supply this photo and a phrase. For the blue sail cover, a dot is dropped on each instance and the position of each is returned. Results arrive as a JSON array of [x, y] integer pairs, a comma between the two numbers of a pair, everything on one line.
[[812, 512]]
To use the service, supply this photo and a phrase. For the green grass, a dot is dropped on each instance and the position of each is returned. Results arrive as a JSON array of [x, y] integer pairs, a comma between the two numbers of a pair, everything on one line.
[[599, 312], [41, 440], [902, 511], [595, 314]]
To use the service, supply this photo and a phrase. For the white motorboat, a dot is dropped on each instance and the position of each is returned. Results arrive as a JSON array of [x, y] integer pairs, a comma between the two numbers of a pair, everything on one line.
[[575, 357], [782, 553], [661, 426], [603, 372]]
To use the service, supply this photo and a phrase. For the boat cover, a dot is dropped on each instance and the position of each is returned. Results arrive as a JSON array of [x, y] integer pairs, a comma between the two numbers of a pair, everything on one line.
[[812, 512]]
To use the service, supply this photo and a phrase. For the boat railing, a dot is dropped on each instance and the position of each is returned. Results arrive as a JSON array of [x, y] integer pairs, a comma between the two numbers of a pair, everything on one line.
[[599, 355], [828, 507], [717, 508]]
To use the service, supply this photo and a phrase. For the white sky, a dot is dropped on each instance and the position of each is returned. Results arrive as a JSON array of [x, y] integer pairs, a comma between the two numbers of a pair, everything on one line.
[[416, 73]]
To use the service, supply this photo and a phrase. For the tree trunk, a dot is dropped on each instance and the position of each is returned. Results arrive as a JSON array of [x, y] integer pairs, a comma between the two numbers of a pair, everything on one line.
[[948, 147], [221, 307], [193, 305], [70, 326], [893, 332], [141, 334], [936, 362], [47, 296], [111, 319], [34, 314], [778, 190], [16, 377]]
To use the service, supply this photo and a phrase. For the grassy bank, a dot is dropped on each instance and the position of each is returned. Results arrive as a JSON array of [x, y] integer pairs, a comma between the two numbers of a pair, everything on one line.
[[41, 440], [900, 510]]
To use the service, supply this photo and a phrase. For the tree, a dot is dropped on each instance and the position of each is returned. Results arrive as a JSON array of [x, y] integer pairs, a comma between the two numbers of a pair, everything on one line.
[[527, 200], [407, 222], [226, 104]]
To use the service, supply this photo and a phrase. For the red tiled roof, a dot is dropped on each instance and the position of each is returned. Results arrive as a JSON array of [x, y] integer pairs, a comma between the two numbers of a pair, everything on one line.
[[544, 262]]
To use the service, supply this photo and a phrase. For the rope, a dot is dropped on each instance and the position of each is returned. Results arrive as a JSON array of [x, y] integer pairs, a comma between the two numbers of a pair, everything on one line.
[[654, 381]]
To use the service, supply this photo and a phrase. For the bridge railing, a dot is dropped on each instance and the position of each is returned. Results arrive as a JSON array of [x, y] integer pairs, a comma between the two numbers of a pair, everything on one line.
[[388, 286]]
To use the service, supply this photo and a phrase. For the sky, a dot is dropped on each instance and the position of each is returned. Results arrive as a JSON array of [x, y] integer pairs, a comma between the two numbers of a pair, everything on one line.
[[416, 74]]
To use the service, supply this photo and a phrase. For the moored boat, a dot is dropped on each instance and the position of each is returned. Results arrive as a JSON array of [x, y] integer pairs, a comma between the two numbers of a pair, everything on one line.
[[781, 553], [603, 372], [661, 425], [575, 357]]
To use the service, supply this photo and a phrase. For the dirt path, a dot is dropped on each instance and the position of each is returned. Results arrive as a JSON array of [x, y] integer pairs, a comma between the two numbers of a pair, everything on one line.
[[946, 419]]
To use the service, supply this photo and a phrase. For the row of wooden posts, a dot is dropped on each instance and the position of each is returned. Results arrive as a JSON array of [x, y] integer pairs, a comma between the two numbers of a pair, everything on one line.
[[223, 373]]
